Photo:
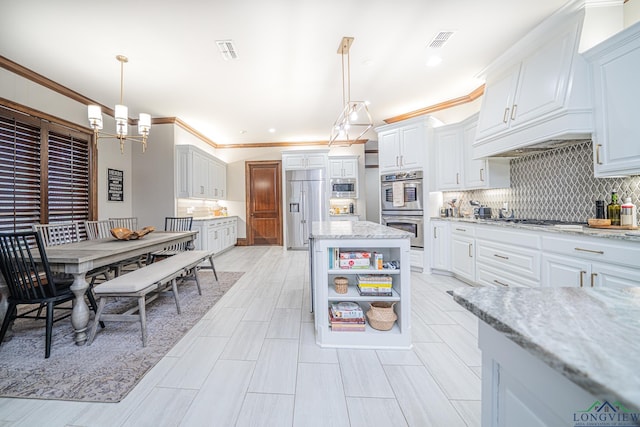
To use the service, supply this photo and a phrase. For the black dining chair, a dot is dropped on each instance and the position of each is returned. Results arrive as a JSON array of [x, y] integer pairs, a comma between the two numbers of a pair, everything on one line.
[[173, 223], [26, 271]]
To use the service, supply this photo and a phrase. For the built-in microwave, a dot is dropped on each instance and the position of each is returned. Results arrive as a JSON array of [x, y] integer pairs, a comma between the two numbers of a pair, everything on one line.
[[344, 188]]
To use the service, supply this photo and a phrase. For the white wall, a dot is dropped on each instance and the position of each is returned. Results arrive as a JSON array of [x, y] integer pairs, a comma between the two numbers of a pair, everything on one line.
[[631, 10]]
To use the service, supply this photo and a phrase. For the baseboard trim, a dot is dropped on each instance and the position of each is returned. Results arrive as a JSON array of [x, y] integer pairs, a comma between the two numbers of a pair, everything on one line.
[[241, 242]]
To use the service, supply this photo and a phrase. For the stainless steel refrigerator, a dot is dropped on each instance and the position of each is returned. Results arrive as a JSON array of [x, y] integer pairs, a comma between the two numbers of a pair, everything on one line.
[[306, 202]]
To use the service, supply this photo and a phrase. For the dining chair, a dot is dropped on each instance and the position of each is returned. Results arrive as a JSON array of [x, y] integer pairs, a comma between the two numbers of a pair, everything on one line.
[[172, 223], [26, 271], [101, 230], [126, 222], [59, 233]]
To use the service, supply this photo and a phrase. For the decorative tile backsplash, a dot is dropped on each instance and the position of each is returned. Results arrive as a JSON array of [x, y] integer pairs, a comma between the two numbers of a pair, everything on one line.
[[557, 184]]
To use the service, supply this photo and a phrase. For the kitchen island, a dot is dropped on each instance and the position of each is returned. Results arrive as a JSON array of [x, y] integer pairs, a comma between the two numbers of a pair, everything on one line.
[[558, 356], [329, 241]]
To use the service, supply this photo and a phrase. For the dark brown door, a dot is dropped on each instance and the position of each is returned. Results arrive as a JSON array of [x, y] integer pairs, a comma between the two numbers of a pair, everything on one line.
[[264, 202]]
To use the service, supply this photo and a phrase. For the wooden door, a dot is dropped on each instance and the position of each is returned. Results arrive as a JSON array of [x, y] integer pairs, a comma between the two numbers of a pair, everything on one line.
[[264, 202]]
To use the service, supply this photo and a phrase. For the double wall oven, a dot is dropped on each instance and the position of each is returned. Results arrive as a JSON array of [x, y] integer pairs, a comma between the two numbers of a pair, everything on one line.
[[402, 204]]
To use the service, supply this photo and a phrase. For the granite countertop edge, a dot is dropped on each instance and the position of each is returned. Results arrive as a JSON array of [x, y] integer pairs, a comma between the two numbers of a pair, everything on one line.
[[584, 231], [355, 230], [587, 377]]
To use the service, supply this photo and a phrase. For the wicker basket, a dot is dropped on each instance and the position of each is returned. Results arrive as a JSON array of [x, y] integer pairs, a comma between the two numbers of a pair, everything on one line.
[[381, 315], [341, 284]]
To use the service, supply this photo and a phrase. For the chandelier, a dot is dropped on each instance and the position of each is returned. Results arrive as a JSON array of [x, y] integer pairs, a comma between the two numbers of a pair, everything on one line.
[[354, 118], [122, 117]]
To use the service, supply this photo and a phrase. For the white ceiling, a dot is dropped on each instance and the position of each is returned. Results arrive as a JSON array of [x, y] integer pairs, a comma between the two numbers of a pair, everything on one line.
[[288, 75]]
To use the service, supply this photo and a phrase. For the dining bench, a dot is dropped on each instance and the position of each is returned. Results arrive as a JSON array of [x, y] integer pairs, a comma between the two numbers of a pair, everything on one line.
[[155, 277]]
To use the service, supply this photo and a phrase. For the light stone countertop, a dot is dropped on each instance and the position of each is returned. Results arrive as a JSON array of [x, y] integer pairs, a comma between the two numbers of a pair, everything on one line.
[[213, 218], [589, 335], [355, 230], [629, 235]]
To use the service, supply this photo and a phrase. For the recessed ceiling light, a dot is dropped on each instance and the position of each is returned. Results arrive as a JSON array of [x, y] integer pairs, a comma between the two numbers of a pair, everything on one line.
[[434, 60], [227, 49], [272, 130], [242, 132], [367, 62]]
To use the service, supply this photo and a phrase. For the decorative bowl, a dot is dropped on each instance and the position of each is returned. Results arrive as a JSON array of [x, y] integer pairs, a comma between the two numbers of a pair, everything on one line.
[[121, 233]]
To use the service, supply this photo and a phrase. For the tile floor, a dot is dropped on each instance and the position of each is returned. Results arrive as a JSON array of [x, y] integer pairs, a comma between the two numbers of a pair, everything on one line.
[[252, 361]]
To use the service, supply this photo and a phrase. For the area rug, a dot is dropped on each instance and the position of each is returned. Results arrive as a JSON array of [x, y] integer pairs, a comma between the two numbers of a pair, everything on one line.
[[115, 362]]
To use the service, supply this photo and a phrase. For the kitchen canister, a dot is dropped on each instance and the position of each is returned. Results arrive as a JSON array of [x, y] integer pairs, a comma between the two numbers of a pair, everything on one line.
[[381, 315], [341, 285]]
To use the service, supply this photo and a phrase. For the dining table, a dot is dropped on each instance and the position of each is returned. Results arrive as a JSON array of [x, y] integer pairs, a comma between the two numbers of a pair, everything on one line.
[[80, 257]]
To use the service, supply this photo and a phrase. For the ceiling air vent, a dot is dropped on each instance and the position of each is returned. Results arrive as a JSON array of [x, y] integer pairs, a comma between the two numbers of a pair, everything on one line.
[[440, 39], [227, 49]]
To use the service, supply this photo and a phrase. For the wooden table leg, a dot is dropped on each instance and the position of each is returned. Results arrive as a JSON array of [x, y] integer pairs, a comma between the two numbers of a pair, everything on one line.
[[80, 312]]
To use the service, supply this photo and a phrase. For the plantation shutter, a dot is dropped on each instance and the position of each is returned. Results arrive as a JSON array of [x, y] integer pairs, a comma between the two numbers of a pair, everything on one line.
[[68, 176], [20, 189]]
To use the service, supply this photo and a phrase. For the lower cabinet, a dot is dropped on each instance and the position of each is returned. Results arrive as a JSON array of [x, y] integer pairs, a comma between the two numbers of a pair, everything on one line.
[[216, 235], [463, 259], [440, 237]]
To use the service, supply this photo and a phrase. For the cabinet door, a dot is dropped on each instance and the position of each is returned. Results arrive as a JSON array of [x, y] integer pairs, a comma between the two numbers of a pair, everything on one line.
[[463, 257], [475, 171], [200, 175], [497, 102], [411, 147], [613, 276], [294, 161], [448, 150], [336, 169], [389, 151], [560, 271], [616, 93], [350, 168], [440, 237], [200, 241], [182, 171], [316, 160], [543, 80]]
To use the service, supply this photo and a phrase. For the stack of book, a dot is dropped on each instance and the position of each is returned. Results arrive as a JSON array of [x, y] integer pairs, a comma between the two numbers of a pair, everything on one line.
[[375, 285], [346, 316], [349, 259]]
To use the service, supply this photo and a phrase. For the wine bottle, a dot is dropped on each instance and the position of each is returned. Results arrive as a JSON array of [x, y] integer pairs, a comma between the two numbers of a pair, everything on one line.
[[613, 209]]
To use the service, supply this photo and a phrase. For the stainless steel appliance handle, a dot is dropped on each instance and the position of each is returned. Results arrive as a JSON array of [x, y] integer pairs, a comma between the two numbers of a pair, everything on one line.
[[412, 219]]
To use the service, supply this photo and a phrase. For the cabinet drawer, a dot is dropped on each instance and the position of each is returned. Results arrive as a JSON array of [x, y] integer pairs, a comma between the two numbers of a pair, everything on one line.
[[495, 277], [617, 252], [502, 235], [519, 261], [462, 229]]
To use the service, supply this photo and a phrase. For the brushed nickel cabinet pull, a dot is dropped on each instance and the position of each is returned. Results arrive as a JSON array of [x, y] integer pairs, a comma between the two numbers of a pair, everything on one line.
[[598, 154], [590, 251], [457, 177], [500, 283], [401, 160], [582, 273], [506, 115], [513, 111], [470, 246], [593, 276], [500, 256], [482, 174], [461, 229], [435, 235]]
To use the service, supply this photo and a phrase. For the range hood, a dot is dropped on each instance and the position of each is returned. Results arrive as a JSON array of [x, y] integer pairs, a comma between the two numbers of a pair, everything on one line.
[[538, 92]]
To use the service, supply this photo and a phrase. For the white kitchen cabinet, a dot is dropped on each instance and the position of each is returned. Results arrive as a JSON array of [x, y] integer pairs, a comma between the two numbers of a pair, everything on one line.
[[343, 167], [537, 91], [463, 258], [401, 146], [440, 249], [615, 66], [199, 175], [455, 168], [217, 234], [311, 159]]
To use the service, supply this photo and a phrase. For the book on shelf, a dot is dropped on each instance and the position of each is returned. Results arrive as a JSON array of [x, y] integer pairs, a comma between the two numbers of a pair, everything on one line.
[[375, 292], [362, 263], [342, 320], [374, 280], [347, 327], [355, 255], [346, 309]]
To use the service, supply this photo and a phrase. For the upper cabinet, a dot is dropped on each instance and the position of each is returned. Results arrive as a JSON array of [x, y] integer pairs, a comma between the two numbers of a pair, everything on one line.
[[343, 167], [615, 67], [537, 91], [456, 169], [200, 175], [292, 160], [401, 146]]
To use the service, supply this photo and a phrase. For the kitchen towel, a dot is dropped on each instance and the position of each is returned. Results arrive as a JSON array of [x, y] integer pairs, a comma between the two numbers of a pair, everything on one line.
[[398, 194]]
